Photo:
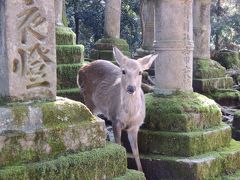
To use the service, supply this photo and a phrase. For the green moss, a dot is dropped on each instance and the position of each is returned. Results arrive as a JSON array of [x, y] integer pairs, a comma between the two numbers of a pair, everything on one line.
[[131, 175], [228, 59], [225, 97], [69, 54], [208, 85], [106, 162], [207, 68], [19, 114], [67, 75], [65, 36], [65, 112], [184, 144], [180, 112]]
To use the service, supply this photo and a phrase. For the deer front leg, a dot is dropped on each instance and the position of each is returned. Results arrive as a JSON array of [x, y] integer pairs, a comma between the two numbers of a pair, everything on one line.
[[133, 139], [117, 132]]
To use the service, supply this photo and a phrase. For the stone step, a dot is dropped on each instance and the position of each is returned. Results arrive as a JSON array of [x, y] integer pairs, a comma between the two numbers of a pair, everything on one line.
[[101, 163], [50, 142], [205, 166], [183, 144], [73, 93], [65, 36], [67, 75], [181, 112], [208, 85], [69, 54]]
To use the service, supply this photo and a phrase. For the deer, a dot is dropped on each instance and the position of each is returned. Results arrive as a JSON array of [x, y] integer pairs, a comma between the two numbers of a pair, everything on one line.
[[116, 92]]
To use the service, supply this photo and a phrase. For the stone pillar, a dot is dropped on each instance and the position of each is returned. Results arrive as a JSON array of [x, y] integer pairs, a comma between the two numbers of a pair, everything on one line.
[[147, 21], [103, 47], [27, 51], [201, 28], [208, 75], [112, 15], [174, 44]]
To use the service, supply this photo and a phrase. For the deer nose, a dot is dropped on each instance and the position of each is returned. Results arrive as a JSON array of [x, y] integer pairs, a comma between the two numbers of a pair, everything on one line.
[[131, 89]]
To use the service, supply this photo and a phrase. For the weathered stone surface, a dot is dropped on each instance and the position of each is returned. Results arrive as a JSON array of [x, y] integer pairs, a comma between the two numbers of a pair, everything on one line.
[[69, 54], [112, 15], [174, 45], [206, 166], [46, 143], [28, 58], [180, 112], [225, 97], [67, 74], [184, 144], [207, 68], [28, 117], [101, 163], [65, 36], [208, 85], [201, 28], [131, 175]]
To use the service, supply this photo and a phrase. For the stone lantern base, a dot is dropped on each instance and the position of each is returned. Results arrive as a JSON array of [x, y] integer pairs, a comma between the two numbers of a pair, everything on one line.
[[103, 48], [183, 137]]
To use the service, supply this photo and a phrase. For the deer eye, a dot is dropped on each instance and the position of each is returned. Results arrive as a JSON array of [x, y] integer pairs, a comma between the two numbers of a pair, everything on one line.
[[140, 73], [123, 72]]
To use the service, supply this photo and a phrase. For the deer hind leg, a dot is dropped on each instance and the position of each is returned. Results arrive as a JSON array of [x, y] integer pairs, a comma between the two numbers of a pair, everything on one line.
[[133, 140]]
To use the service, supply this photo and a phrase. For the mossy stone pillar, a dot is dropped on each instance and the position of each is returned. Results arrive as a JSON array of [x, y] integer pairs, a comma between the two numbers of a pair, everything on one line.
[[183, 136], [103, 47], [208, 75]]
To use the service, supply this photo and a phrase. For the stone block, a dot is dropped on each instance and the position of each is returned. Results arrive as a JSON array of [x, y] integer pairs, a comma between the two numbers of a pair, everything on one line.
[[207, 166], [27, 51], [207, 68], [225, 97], [208, 85], [184, 144], [69, 54], [45, 143], [181, 112], [67, 75], [65, 36], [101, 163], [131, 175], [228, 59]]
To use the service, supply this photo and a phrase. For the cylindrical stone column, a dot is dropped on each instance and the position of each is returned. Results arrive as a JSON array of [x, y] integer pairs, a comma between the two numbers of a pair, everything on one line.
[[112, 18], [174, 45], [201, 29], [147, 18]]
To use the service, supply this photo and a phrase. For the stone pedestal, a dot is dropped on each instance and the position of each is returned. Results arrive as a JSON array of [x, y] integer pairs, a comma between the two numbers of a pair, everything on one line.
[[183, 136], [103, 47], [208, 75]]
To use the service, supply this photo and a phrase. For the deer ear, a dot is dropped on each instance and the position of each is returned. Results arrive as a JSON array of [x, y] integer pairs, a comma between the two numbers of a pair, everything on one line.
[[147, 61], [118, 56]]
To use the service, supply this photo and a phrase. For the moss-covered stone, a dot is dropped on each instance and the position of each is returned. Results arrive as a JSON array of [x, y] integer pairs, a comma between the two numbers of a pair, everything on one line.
[[73, 94], [65, 36], [46, 143], [207, 68], [103, 48], [180, 112], [228, 59], [233, 176], [207, 166], [102, 163], [67, 75], [131, 175], [208, 85], [69, 54], [225, 97], [236, 120], [184, 144]]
